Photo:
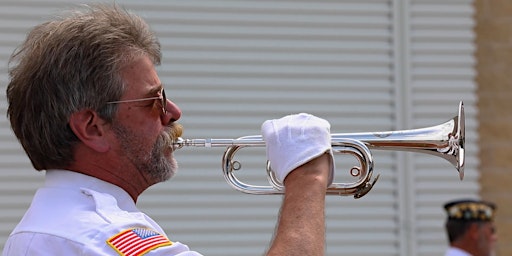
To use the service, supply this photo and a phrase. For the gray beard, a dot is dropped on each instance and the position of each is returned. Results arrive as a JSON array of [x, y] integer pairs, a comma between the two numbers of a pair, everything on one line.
[[153, 165]]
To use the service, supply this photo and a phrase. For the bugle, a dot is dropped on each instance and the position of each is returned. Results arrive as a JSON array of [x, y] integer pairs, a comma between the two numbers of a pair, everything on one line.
[[445, 140]]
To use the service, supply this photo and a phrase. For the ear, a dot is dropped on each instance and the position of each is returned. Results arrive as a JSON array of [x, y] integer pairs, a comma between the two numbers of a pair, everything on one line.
[[90, 129]]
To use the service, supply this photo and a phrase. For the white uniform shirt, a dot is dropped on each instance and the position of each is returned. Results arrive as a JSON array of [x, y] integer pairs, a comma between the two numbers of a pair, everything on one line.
[[453, 251], [76, 214]]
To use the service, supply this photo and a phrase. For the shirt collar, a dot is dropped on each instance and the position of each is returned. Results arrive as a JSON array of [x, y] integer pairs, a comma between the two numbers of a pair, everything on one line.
[[71, 179], [454, 251]]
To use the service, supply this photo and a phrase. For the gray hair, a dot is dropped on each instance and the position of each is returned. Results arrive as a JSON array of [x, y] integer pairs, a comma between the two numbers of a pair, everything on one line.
[[67, 65]]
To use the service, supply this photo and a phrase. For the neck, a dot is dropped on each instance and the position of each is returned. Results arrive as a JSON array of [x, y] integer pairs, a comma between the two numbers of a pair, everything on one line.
[[118, 173], [467, 247]]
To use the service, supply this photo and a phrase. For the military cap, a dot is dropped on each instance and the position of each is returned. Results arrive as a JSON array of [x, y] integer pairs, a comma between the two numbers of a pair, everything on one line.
[[470, 210]]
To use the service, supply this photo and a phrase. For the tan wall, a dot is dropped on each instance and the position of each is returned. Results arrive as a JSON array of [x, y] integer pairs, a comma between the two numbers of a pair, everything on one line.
[[494, 67]]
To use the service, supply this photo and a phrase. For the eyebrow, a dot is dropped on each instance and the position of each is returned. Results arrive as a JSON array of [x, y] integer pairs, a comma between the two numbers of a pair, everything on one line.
[[155, 90], [148, 96]]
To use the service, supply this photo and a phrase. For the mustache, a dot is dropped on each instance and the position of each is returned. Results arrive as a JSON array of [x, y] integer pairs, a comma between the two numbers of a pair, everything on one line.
[[176, 130], [169, 136]]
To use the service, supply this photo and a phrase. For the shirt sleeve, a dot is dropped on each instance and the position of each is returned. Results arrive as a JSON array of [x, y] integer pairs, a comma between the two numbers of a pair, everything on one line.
[[176, 249], [38, 244]]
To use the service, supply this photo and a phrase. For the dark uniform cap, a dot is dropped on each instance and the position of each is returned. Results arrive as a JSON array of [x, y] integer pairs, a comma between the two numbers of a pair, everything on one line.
[[470, 210]]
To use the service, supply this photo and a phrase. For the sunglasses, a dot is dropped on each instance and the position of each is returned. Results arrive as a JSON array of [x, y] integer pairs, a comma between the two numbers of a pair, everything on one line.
[[163, 101]]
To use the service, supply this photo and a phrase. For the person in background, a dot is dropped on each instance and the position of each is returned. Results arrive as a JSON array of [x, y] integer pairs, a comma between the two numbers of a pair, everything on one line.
[[470, 228], [87, 106]]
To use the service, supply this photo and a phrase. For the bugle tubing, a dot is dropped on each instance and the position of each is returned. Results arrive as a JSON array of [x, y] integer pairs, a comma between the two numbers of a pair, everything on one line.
[[445, 140]]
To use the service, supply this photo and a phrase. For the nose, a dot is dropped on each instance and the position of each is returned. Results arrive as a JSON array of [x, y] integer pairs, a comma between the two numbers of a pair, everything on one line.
[[173, 112]]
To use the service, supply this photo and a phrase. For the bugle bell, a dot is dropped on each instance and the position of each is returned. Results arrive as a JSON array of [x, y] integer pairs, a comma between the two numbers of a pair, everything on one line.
[[445, 140]]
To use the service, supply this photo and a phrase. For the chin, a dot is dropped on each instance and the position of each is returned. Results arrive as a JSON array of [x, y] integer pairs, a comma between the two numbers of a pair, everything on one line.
[[170, 168]]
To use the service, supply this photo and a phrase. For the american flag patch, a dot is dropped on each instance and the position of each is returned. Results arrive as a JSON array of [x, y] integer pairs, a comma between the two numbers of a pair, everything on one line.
[[137, 241]]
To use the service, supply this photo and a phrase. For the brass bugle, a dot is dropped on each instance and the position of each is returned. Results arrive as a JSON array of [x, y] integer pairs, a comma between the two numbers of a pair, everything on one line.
[[445, 140]]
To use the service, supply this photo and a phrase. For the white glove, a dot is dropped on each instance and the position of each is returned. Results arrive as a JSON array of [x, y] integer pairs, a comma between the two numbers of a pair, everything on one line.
[[294, 140]]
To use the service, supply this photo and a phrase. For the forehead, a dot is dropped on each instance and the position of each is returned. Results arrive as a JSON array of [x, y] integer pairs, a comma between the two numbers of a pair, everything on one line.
[[140, 78]]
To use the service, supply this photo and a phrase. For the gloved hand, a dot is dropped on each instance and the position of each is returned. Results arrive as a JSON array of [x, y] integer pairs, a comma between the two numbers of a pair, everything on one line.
[[294, 140]]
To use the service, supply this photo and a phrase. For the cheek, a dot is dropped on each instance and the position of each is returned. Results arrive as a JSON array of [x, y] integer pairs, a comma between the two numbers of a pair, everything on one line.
[[142, 125], [124, 115], [129, 118], [146, 130]]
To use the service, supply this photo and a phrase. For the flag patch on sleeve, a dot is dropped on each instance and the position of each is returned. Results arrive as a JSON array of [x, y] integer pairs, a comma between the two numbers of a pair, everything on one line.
[[137, 241]]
